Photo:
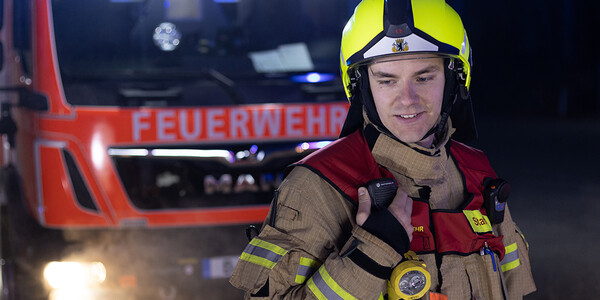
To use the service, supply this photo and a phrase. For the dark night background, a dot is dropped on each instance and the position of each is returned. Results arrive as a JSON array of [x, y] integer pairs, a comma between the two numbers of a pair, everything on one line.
[[536, 91], [534, 57]]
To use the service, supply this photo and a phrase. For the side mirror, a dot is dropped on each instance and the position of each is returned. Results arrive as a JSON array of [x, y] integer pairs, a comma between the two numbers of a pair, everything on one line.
[[32, 100], [28, 98]]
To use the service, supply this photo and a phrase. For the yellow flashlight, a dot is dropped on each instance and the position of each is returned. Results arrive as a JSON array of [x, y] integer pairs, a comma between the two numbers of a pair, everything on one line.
[[410, 279]]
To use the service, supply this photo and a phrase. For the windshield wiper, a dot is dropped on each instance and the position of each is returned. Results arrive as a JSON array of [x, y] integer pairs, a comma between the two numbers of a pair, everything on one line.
[[226, 83]]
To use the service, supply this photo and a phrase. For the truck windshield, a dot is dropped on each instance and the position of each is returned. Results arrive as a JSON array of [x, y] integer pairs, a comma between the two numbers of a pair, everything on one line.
[[199, 52]]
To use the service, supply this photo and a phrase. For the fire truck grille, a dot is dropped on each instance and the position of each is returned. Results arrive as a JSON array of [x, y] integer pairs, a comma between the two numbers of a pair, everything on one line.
[[158, 179]]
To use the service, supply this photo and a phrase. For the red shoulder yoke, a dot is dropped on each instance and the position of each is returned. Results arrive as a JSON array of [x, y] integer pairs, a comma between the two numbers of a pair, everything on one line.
[[346, 164]]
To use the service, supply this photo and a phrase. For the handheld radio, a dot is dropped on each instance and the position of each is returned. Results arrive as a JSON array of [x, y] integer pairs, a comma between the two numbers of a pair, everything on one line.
[[495, 194], [382, 192]]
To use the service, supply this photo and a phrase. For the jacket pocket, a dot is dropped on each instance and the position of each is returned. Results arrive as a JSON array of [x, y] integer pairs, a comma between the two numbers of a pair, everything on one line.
[[455, 280], [484, 276]]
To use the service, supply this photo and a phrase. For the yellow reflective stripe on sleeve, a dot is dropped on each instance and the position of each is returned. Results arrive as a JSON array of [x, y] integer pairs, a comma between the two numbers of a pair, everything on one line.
[[300, 279], [479, 222], [263, 253], [511, 258], [266, 245], [306, 268], [258, 260], [309, 262], [510, 248], [325, 288]]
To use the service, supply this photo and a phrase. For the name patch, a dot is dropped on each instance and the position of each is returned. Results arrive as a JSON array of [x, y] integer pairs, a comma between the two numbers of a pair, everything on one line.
[[479, 222]]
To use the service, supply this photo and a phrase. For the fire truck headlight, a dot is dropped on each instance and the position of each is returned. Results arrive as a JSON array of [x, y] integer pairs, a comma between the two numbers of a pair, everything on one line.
[[60, 275], [73, 294]]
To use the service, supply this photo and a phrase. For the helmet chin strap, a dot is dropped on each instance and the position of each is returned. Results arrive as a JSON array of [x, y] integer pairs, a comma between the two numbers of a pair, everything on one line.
[[437, 129], [451, 89]]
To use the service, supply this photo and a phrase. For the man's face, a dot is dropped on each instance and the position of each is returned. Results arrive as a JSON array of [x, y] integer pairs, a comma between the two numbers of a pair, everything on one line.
[[408, 95]]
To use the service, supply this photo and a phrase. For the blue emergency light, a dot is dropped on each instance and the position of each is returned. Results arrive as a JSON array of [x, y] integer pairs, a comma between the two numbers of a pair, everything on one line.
[[313, 77]]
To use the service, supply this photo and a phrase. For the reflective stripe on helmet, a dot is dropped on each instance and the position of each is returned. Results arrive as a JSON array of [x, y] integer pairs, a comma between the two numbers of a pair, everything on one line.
[[263, 253], [306, 268], [325, 288], [511, 258], [387, 45]]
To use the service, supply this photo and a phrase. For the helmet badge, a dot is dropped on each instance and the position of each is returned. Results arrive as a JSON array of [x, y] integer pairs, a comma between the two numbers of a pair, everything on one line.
[[400, 45]]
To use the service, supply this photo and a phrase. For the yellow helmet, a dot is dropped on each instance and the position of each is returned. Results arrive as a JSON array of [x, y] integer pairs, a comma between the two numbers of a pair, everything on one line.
[[380, 28], [395, 29]]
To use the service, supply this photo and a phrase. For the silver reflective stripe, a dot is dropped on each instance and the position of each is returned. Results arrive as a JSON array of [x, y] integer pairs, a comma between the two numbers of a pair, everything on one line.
[[324, 288], [305, 270], [509, 257], [262, 252]]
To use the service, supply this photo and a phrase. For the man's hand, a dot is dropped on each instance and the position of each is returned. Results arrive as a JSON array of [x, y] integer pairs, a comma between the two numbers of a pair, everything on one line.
[[401, 209]]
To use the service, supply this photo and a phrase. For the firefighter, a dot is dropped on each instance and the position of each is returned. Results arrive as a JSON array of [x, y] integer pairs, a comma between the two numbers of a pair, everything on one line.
[[406, 68]]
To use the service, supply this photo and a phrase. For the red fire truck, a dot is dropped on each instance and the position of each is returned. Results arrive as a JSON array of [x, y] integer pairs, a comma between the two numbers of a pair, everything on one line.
[[141, 137]]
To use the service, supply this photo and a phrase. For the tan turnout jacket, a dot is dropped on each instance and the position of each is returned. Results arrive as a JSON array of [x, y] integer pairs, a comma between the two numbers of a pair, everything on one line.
[[299, 256]]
